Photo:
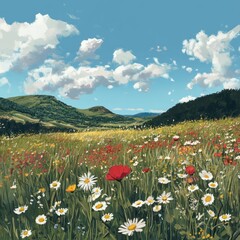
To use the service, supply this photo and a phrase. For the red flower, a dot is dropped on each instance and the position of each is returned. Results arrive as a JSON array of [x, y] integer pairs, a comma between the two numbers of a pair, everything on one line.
[[118, 172], [176, 137], [145, 170], [190, 170]]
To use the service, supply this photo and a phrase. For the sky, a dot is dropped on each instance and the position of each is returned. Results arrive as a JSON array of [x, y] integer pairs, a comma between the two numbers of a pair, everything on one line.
[[129, 56]]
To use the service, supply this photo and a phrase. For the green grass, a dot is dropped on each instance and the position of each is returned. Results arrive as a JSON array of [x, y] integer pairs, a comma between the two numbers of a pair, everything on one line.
[[34, 162]]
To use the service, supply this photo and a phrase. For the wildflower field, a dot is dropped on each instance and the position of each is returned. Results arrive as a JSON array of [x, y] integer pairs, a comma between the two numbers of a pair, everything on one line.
[[178, 182]]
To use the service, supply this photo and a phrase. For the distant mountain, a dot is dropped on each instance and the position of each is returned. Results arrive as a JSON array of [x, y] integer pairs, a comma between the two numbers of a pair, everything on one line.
[[144, 115], [214, 106], [46, 113]]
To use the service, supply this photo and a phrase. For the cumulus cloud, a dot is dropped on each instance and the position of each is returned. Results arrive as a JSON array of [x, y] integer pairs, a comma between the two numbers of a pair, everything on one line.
[[4, 81], [72, 82], [189, 69], [216, 50], [123, 57], [24, 44], [187, 99], [88, 48]]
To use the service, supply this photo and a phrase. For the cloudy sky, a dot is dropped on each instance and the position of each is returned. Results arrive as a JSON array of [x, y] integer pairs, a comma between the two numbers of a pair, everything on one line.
[[129, 56]]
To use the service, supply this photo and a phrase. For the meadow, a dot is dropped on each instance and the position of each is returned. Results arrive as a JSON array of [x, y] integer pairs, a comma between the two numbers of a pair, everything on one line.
[[177, 182]]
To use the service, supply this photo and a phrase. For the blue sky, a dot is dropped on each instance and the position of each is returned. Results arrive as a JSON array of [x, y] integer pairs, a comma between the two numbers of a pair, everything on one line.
[[129, 56]]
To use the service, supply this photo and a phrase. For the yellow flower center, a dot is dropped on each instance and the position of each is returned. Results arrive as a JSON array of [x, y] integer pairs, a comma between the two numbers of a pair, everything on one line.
[[164, 198], [206, 176], [138, 203], [21, 209], [41, 219], [98, 206], [87, 180], [192, 187], [213, 185], [25, 233], [224, 216], [132, 227], [54, 184], [107, 216], [208, 199], [61, 210]]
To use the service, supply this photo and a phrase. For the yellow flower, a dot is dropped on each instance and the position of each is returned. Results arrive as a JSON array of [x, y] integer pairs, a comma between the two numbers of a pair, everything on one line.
[[71, 188], [42, 190]]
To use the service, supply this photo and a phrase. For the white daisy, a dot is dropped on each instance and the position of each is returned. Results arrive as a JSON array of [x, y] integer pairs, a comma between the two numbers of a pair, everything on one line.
[[207, 199], [96, 190], [206, 175], [211, 213], [86, 181], [164, 180], [93, 197], [107, 217], [99, 206], [225, 217], [20, 210], [150, 200], [182, 175], [55, 185], [164, 198], [157, 208], [193, 188], [41, 219], [61, 211], [138, 203], [213, 184], [26, 233], [131, 226]]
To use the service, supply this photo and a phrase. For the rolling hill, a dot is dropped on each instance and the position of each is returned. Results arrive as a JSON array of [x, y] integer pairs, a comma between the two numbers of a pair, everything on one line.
[[49, 114], [214, 106]]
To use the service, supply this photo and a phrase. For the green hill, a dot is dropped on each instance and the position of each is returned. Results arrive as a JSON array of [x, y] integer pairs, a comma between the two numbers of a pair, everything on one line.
[[46, 113], [214, 106]]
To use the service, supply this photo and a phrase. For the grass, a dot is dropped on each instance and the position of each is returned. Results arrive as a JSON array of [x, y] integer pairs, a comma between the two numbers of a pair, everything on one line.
[[31, 163]]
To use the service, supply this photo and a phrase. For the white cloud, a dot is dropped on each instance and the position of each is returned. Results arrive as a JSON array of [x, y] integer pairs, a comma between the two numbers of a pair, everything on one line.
[[232, 83], [156, 111], [24, 44], [73, 17], [4, 81], [214, 49], [189, 69], [186, 99], [123, 57], [88, 47]]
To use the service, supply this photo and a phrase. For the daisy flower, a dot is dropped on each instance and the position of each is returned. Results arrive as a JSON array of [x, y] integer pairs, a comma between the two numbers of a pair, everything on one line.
[[164, 180], [41, 219], [182, 175], [61, 211], [26, 233], [164, 198], [107, 217], [131, 226], [97, 190], [206, 175], [99, 206], [20, 210], [213, 184], [157, 208], [93, 197], [55, 185], [211, 213], [150, 200], [86, 181], [225, 217], [138, 203], [207, 199], [193, 188]]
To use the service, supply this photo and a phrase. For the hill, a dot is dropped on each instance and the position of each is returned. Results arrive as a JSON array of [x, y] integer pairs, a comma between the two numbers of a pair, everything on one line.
[[214, 106], [46, 113]]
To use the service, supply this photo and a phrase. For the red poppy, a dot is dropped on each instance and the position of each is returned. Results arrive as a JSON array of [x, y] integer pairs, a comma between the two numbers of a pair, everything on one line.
[[145, 170], [190, 170], [118, 172]]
